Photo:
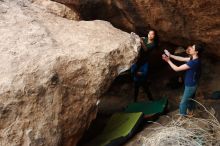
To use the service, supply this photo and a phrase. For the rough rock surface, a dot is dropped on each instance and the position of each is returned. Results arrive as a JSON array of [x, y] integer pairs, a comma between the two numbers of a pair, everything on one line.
[[52, 72], [58, 9], [177, 21]]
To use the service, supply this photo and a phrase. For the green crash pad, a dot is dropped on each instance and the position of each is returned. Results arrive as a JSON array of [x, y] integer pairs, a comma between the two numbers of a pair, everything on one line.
[[118, 129], [148, 107]]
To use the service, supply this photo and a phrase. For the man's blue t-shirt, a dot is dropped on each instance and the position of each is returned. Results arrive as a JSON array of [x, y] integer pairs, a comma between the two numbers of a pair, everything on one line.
[[143, 69], [193, 73]]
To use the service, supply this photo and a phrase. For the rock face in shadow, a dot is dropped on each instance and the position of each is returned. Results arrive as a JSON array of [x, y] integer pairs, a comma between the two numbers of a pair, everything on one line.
[[53, 71], [177, 21]]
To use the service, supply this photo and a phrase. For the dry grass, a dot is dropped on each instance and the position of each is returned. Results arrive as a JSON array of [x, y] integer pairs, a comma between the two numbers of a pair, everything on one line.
[[182, 131]]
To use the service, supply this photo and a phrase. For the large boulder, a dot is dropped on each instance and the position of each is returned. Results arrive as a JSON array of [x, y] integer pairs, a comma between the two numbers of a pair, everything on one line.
[[52, 73], [178, 21]]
